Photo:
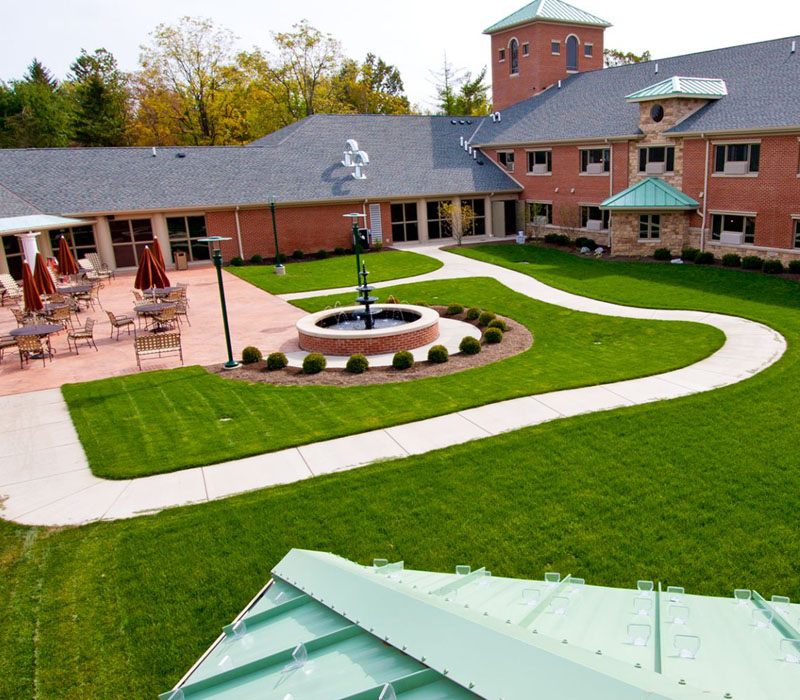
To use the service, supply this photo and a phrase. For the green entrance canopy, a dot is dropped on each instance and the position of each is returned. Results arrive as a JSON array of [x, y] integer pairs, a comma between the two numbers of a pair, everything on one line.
[[652, 194]]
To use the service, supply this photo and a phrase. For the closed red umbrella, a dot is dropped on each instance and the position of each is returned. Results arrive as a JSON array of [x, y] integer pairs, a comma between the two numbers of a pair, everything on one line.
[[150, 274], [158, 256], [41, 274], [66, 260], [30, 291]]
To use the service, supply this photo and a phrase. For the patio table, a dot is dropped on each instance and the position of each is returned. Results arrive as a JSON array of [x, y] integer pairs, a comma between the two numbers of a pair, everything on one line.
[[152, 308], [53, 305], [160, 291], [42, 330], [75, 289]]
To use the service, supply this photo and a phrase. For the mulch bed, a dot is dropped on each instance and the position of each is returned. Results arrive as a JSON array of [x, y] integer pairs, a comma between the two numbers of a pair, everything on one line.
[[516, 339]]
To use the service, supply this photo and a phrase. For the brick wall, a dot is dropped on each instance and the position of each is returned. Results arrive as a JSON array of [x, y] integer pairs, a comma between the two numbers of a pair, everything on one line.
[[370, 346]]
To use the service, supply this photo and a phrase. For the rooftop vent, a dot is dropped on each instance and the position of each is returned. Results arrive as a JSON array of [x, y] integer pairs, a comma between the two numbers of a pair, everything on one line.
[[154, 151], [180, 155], [656, 67], [495, 116], [453, 121], [794, 46]]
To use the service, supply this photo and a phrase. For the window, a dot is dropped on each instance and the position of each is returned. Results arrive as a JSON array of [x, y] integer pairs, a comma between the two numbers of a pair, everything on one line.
[[594, 218], [540, 162], [129, 237], [797, 233], [183, 234], [79, 238], [501, 55], [595, 161], [650, 226], [540, 213], [526, 49], [572, 53], [438, 227], [739, 226], [404, 222], [513, 49], [478, 206], [13, 250], [506, 159], [657, 113], [657, 159], [736, 158], [587, 50], [555, 48]]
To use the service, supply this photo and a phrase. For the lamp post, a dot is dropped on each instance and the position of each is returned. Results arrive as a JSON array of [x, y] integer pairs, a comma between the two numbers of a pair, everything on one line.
[[356, 240], [279, 268], [217, 257]]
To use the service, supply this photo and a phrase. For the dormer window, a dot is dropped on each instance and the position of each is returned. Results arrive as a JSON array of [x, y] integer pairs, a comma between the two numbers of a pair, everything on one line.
[[513, 48]]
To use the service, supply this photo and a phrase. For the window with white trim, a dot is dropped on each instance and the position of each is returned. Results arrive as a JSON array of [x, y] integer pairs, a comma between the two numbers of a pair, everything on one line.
[[540, 213], [595, 218], [513, 49], [588, 50], [506, 159], [572, 53], [650, 226], [555, 48], [736, 158], [657, 159], [526, 49], [540, 162], [501, 55], [738, 225], [797, 233], [595, 161]]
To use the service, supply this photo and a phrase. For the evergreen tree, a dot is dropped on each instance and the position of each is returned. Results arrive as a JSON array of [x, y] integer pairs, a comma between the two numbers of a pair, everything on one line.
[[459, 94]]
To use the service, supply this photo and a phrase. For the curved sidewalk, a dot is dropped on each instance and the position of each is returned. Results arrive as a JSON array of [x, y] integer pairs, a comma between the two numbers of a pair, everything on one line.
[[45, 479]]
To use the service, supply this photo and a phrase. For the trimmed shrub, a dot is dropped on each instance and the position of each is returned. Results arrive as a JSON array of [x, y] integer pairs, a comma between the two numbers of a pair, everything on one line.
[[280, 259], [250, 355], [556, 238], [752, 262], [794, 267], [498, 323], [403, 360], [662, 254], [391, 299], [486, 318], [256, 259], [493, 336], [455, 309], [583, 242], [321, 254], [689, 254], [236, 261], [298, 254], [469, 345], [338, 250], [357, 364], [731, 260], [706, 258], [438, 354], [314, 363], [773, 267], [276, 360], [473, 313]]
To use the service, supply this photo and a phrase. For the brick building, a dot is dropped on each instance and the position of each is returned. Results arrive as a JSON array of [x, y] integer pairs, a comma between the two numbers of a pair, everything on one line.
[[700, 150]]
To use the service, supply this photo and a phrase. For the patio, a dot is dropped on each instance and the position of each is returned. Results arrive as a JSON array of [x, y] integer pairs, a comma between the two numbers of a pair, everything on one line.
[[256, 318]]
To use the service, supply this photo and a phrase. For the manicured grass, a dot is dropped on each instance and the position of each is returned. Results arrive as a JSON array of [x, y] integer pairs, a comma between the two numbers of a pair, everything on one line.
[[699, 491], [164, 421], [332, 273]]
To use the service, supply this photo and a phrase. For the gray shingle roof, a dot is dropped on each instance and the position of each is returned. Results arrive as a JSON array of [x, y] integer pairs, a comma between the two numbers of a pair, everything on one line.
[[763, 82], [409, 156], [12, 205]]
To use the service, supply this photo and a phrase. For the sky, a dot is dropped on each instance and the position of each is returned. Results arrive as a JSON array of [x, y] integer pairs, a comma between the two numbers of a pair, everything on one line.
[[413, 35]]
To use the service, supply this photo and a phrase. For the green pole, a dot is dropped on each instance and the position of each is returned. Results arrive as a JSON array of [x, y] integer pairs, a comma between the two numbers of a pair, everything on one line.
[[275, 234], [231, 363], [357, 250]]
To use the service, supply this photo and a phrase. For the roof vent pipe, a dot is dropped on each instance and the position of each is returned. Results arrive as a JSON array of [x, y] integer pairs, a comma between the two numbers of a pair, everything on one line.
[[656, 67], [475, 154], [470, 150], [460, 140], [154, 151], [794, 45], [559, 84]]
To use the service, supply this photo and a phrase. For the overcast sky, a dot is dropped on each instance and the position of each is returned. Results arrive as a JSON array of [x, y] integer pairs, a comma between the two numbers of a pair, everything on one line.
[[411, 34]]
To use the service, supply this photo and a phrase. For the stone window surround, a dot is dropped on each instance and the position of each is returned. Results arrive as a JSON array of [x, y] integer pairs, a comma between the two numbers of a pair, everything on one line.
[[734, 142], [590, 48], [527, 158], [648, 145], [501, 56], [555, 44], [605, 173], [653, 228], [526, 49]]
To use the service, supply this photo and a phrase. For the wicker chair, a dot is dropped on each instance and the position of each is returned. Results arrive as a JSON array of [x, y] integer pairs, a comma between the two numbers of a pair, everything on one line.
[[90, 297], [147, 345], [181, 310], [86, 333], [61, 316], [120, 322], [19, 315], [6, 341], [103, 270], [164, 319], [137, 296], [32, 345]]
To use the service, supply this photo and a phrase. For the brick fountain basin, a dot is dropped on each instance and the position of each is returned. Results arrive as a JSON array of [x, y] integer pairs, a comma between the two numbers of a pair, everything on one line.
[[322, 331]]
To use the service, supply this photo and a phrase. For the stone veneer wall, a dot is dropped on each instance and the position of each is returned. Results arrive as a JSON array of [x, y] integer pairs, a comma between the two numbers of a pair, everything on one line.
[[674, 234]]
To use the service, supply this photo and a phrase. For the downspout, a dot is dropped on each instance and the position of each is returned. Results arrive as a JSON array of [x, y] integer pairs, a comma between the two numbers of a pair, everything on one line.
[[610, 189], [238, 233], [705, 196]]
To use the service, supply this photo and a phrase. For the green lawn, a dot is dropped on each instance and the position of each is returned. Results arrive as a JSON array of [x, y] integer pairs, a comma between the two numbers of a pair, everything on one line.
[[332, 273], [699, 491], [164, 421]]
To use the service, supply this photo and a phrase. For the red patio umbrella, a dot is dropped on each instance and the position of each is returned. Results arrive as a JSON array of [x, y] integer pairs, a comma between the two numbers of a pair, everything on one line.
[[42, 276], [30, 291], [150, 274], [66, 260], [158, 256]]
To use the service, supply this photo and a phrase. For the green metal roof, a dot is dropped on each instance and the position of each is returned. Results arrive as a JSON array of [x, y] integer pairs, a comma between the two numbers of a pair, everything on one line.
[[325, 628], [677, 86], [651, 193], [548, 11]]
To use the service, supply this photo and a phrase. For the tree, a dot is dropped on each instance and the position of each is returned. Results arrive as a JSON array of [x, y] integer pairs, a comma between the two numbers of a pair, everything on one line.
[[457, 219], [373, 87], [100, 95], [458, 93], [615, 57]]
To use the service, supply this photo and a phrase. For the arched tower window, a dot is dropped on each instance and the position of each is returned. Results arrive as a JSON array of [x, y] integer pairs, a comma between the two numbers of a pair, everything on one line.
[[513, 50], [572, 52]]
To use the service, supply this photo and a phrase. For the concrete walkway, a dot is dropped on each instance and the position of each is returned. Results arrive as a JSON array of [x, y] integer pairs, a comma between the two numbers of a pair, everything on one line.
[[45, 479]]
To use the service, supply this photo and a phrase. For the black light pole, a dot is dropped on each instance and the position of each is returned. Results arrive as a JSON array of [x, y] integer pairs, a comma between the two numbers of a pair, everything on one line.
[[217, 257], [279, 268], [356, 241]]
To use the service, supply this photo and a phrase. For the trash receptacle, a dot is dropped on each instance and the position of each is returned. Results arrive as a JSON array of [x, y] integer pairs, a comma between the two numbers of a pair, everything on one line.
[[181, 262]]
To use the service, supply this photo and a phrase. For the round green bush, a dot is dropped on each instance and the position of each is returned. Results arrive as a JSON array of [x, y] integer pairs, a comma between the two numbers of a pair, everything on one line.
[[256, 259], [250, 355], [321, 254], [752, 262], [469, 345], [662, 254], [298, 254], [276, 360], [493, 336], [706, 258], [473, 313], [689, 254], [731, 260], [773, 267], [498, 323], [313, 363], [357, 364], [236, 261], [794, 267], [486, 318], [438, 354], [338, 250], [403, 360], [583, 242], [454, 309]]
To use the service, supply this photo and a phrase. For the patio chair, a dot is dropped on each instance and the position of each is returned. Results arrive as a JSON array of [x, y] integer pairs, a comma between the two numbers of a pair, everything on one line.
[[86, 333], [137, 295], [120, 322], [103, 270], [62, 316], [6, 341], [9, 289], [147, 345], [90, 297], [174, 296], [32, 347], [88, 270], [181, 310], [166, 318], [19, 315]]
